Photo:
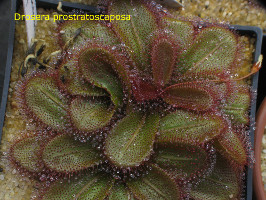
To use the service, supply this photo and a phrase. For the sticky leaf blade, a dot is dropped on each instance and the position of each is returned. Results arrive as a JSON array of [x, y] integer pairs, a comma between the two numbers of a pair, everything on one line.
[[90, 115], [44, 100], [183, 30], [188, 127], [222, 184], [25, 153], [213, 52], [131, 140], [191, 95], [119, 191], [86, 187], [183, 162], [155, 185], [69, 80], [105, 70], [134, 33], [232, 147], [64, 154], [163, 58], [238, 104]]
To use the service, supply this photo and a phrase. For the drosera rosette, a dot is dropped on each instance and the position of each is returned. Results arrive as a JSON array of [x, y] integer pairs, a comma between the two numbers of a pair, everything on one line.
[[151, 108]]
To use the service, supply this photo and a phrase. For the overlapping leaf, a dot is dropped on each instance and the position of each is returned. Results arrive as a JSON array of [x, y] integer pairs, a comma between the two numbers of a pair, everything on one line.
[[70, 81], [90, 115], [184, 126], [213, 52], [238, 105], [103, 69], [183, 30], [119, 191], [163, 58], [191, 95], [131, 140], [86, 187], [45, 101], [155, 185], [232, 147], [182, 161], [134, 33], [25, 153], [222, 184], [64, 154]]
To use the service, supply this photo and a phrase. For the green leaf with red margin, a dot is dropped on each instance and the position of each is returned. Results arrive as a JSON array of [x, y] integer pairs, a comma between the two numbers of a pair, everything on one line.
[[104, 69], [182, 162], [65, 155], [120, 192], [70, 81], [238, 105], [198, 96], [25, 153], [44, 100], [134, 33], [222, 184], [88, 30], [188, 127], [213, 52], [90, 115], [84, 187], [131, 140], [163, 58], [155, 185], [231, 146], [183, 30]]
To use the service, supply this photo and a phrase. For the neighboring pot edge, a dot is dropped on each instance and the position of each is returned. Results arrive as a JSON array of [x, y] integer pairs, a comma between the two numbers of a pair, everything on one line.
[[262, 80], [248, 30], [260, 127]]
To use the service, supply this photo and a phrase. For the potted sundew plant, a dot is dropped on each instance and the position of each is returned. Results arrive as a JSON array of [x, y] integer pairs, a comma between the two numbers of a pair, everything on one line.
[[151, 108]]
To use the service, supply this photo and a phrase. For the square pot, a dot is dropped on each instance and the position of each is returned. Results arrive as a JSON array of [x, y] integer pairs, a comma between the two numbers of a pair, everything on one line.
[[254, 32]]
